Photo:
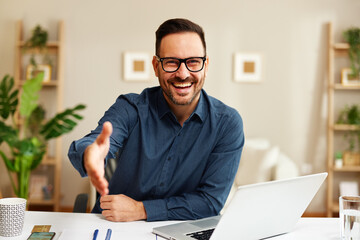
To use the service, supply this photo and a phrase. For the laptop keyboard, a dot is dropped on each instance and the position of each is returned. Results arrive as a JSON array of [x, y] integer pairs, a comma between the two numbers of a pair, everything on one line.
[[201, 235]]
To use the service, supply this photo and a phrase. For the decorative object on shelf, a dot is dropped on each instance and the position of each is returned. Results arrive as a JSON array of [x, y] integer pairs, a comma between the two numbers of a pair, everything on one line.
[[27, 141], [32, 71], [37, 42], [247, 67], [37, 182], [351, 116], [351, 158], [338, 160], [338, 128], [349, 188], [352, 36], [137, 66], [347, 79]]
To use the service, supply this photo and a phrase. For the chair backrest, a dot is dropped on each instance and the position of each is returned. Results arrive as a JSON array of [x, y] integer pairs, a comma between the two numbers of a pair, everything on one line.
[[81, 201], [109, 171]]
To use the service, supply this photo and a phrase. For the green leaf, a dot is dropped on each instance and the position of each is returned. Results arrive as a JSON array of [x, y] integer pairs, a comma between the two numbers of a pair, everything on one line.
[[7, 134], [8, 98], [35, 120], [62, 123], [30, 95], [8, 163], [38, 38]]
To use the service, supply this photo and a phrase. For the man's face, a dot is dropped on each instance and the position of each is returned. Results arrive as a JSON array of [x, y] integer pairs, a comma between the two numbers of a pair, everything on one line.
[[183, 86]]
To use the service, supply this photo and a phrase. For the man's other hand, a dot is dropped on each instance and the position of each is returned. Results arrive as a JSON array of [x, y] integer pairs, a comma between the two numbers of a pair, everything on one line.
[[121, 208]]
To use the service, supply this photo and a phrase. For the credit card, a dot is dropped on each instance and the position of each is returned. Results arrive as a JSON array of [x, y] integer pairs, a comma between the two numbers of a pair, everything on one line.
[[41, 228]]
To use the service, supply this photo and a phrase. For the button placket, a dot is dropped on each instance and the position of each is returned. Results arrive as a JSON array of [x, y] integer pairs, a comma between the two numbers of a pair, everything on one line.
[[165, 174]]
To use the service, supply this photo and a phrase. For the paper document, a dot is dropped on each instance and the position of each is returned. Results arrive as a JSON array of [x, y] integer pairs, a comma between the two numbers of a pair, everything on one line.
[[86, 234]]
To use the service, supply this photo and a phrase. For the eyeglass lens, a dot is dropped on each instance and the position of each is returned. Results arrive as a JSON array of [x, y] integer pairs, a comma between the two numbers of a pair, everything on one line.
[[194, 64]]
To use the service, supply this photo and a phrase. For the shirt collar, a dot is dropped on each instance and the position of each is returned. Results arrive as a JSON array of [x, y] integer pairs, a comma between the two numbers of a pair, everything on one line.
[[200, 110]]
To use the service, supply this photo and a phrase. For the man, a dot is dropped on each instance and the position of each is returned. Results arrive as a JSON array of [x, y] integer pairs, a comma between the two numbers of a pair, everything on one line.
[[177, 148]]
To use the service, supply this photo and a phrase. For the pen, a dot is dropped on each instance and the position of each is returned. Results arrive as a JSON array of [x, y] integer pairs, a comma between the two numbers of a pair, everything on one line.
[[95, 234], [108, 234]]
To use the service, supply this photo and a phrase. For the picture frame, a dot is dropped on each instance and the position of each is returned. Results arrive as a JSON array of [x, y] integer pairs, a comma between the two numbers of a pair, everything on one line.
[[137, 66], [37, 182], [346, 78], [32, 71], [247, 67]]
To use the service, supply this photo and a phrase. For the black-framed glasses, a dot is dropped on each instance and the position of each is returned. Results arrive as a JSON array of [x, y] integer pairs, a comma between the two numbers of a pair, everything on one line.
[[172, 64]]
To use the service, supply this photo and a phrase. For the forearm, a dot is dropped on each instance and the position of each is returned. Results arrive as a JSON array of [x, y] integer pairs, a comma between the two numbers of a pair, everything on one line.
[[184, 207], [75, 154]]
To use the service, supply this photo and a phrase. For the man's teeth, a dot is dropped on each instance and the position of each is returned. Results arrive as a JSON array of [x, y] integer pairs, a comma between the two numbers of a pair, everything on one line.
[[182, 85]]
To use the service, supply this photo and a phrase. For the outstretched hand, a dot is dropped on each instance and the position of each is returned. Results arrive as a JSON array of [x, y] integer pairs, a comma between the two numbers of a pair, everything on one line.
[[94, 162]]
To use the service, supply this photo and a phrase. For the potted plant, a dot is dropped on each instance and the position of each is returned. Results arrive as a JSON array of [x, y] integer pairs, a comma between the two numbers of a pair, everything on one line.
[[351, 116], [352, 36], [37, 43], [27, 141]]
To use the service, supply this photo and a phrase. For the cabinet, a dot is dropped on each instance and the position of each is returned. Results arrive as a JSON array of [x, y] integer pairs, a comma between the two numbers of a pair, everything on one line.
[[51, 98], [337, 58]]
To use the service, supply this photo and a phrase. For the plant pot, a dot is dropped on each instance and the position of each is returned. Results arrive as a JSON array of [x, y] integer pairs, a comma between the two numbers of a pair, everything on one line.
[[351, 158]]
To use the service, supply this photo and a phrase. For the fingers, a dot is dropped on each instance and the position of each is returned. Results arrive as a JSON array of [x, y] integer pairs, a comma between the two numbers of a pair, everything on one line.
[[101, 185], [94, 156], [105, 133], [121, 208]]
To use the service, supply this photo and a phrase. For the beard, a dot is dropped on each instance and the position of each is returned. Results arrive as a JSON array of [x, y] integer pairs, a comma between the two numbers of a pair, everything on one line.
[[173, 98]]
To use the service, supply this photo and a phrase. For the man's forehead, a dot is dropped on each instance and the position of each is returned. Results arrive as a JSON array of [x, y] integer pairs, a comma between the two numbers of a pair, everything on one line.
[[183, 41]]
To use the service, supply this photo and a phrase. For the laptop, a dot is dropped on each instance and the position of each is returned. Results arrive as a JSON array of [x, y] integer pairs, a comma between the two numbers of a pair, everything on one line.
[[256, 211]]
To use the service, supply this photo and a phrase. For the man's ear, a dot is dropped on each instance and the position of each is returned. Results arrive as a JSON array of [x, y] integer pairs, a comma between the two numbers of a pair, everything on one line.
[[155, 64], [206, 65]]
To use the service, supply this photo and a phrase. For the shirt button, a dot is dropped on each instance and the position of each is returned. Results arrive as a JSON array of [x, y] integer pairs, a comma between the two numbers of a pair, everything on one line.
[[169, 158]]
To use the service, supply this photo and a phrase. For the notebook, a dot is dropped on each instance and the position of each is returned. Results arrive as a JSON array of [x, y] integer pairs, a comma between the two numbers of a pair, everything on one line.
[[256, 211]]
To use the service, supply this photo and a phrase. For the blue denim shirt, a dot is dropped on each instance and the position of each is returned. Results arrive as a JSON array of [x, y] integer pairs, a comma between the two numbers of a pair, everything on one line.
[[179, 172]]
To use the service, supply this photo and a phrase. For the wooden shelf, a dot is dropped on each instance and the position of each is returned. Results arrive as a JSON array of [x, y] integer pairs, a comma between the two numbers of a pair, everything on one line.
[[341, 46], [345, 127], [347, 169], [335, 206], [336, 50], [339, 86], [49, 44], [51, 91], [43, 202], [49, 161], [52, 83]]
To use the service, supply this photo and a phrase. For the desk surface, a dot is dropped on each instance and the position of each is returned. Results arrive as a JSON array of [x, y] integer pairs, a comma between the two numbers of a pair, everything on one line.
[[81, 226]]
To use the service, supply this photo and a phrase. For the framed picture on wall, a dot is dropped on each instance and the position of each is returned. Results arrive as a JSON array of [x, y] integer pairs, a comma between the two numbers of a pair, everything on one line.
[[347, 79], [32, 71], [247, 67], [137, 66]]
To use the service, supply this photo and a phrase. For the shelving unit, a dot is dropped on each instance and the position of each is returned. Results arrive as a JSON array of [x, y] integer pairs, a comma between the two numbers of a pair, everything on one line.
[[52, 94], [336, 50]]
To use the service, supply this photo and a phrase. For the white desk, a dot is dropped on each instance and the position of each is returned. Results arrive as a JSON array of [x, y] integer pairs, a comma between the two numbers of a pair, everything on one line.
[[85, 223]]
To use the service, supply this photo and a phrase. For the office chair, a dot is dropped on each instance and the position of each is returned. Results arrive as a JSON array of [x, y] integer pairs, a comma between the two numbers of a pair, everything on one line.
[[109, 171], [81, 201]]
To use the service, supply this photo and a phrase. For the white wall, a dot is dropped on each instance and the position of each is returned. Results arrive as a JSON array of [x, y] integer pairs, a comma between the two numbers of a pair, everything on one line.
[[288, 107]]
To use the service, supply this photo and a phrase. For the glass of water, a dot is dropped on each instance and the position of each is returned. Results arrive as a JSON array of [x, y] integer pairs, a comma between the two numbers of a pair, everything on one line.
[[350, 217]]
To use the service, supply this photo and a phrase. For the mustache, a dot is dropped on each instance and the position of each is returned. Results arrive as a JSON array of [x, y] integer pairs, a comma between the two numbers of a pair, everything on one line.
[[177, 79]]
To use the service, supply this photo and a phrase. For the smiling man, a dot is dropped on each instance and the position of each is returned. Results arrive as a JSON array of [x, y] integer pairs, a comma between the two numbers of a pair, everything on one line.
[[177, 148]]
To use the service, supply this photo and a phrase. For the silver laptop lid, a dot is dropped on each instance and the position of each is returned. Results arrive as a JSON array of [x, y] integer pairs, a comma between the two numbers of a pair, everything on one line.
[[256, 211], [267, 209]]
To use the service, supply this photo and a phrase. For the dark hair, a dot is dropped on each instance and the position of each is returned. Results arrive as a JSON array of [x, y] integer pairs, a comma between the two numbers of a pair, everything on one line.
[[178, 25]]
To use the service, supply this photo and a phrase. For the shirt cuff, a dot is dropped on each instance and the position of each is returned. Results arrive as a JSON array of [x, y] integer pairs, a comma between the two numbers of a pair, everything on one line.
[[156, 210], [75, 155]]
